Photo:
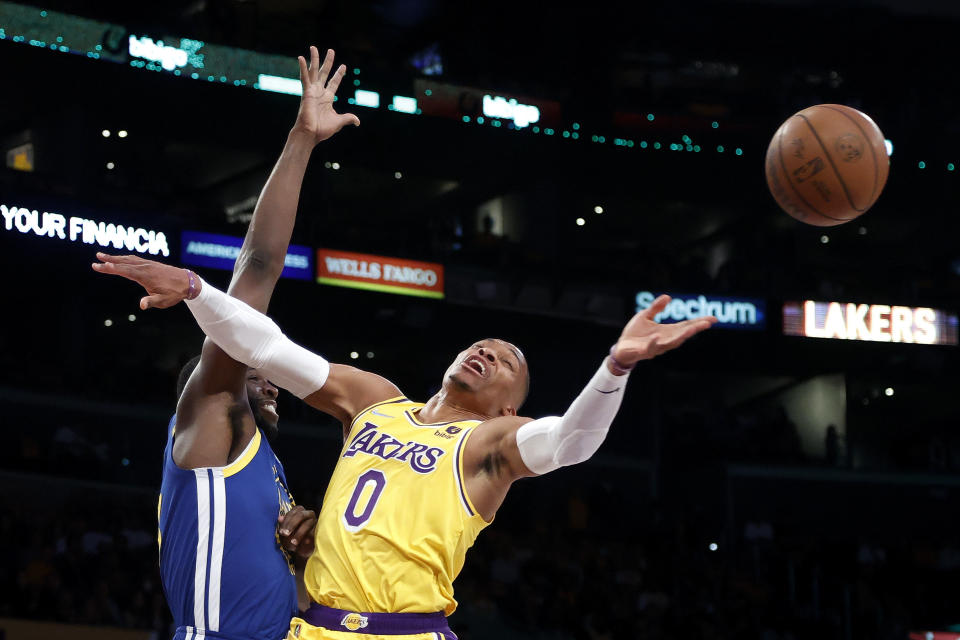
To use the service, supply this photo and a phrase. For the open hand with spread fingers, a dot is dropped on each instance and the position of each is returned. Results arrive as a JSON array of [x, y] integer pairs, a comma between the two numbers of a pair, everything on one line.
[[644, 338], [317, 116], [166, 285]]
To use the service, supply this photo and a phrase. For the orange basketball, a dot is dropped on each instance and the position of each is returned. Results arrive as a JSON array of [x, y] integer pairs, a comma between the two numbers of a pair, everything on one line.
[[827, 164]]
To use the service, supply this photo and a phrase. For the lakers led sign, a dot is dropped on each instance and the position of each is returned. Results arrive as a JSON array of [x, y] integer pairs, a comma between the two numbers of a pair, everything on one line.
[[870, 322]]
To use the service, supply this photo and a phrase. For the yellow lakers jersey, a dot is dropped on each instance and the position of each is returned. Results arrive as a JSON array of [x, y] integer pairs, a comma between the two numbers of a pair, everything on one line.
[[396, 520]]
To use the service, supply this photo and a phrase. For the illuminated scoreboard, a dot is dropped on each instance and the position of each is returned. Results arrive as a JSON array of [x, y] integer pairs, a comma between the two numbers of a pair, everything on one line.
[[869, 322]]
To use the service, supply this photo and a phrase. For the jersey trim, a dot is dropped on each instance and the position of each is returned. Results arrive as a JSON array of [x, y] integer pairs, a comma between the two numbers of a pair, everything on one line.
[[458, 465], [195, 634], [159, 534], [211, 529], [458, 477], [216, 547], [203, 545], [230, 469], [244, 458], [374, 406], [412, 419]]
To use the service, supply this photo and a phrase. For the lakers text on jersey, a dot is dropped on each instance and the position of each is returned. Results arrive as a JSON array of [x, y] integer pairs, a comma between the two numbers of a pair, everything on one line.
[[396, 520]]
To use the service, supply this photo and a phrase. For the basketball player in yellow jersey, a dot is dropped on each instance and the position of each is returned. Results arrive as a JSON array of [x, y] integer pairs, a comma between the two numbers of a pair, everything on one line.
[[415, 482]]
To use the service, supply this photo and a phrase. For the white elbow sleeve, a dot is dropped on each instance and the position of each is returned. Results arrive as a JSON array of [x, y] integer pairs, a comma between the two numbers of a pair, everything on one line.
[[250, 337], [553, 442]]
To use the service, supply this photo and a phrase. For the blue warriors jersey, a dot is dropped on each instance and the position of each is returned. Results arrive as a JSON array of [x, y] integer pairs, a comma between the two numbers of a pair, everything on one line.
[[223, 570]]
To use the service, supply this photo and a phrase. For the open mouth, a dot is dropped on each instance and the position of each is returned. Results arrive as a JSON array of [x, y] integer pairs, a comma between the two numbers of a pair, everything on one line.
[[477, 365], [270, 406]]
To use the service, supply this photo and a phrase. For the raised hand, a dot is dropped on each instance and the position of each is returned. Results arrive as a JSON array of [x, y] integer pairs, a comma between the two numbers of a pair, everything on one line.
[[316, 115], [166, 285], [644, 338]]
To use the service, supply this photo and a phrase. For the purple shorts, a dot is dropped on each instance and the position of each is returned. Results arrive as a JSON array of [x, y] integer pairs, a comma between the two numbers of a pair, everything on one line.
[[386, 624]]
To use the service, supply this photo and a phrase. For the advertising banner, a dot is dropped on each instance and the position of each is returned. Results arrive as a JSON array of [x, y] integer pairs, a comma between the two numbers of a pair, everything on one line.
[[379, 273], [732, 313], [870, 322], [217, 251]]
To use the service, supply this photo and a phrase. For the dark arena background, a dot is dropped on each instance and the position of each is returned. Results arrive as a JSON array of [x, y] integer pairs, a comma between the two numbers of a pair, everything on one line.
[[787, 475]]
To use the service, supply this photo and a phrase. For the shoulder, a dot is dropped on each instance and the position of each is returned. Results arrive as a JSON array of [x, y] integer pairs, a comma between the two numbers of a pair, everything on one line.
[[349, 391], [502, 424], [491, 435]]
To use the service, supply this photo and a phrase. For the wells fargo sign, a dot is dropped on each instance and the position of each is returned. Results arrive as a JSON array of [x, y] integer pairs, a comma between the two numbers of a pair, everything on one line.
[[379, 273]]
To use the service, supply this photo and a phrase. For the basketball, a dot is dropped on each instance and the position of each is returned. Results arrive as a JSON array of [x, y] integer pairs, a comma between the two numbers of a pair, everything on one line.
[[827, 164]]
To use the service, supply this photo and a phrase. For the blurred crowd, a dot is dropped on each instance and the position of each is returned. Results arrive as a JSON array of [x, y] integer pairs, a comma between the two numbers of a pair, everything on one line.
[[85, 561], [658, 582], [129, 449], [561, 562]]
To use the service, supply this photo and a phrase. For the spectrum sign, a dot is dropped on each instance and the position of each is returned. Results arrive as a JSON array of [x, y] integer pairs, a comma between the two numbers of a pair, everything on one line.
[[870, 322], [220, 252], [732, 313], [379, 273]]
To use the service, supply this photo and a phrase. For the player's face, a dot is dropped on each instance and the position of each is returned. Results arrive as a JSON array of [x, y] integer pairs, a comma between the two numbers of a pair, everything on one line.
[[493, 372], [263, 402]]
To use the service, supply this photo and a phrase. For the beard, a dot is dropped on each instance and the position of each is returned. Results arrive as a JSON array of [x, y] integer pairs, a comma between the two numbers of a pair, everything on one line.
[[270, 429], [266, 422]]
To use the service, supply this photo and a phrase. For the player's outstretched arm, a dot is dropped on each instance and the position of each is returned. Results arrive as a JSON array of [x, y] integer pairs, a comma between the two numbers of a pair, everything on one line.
[[264, 249], [507, 448], [252, 338], [204, 429]]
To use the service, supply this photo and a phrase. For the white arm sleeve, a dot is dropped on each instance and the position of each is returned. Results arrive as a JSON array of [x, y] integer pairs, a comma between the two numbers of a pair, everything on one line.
[[553, 442], [250, 337]]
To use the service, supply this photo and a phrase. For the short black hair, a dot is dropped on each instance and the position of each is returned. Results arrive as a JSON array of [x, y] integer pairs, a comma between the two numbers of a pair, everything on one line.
[[185, 372]]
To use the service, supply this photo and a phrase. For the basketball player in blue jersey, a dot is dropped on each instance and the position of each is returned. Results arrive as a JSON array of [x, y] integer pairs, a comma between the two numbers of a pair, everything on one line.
[[224, 570]]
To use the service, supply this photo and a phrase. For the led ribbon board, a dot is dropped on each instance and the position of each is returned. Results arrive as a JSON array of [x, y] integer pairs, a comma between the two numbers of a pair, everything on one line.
[[452, 101], [220, 252], [156, 52], [182, 56], [869, 322], [379, 273], [108, 235], [732, 313]]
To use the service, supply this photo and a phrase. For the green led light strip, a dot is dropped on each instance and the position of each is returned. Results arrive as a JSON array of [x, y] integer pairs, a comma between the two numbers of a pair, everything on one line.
[[198, 60], [194, 59]]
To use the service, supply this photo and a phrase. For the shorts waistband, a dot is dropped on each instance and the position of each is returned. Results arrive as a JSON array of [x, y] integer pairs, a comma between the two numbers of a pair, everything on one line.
[[387, 624], [192, 633]]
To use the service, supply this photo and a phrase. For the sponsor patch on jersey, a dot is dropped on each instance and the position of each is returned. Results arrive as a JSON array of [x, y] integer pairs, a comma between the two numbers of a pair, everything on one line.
[[454, 430], [354, 621]]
